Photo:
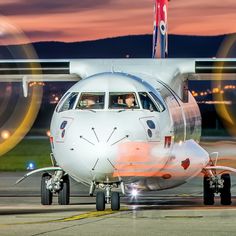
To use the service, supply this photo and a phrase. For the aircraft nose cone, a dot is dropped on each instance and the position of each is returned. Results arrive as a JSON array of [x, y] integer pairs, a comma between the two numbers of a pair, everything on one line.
[[105, 156], [102, 149]]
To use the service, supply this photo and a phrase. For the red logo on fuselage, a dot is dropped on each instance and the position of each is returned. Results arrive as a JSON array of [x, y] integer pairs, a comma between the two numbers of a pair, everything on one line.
[[185, 164]]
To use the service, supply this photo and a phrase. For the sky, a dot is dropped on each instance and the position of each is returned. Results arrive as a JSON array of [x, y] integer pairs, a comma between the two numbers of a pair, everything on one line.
[[82, 20]]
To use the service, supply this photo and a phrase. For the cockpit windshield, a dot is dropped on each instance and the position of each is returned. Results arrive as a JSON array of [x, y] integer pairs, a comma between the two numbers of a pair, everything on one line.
[[67, 102], [91, 101], [123, 101], [148, 103]]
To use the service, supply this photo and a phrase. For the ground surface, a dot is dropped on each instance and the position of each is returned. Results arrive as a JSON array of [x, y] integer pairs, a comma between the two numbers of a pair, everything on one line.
[[176, 211]]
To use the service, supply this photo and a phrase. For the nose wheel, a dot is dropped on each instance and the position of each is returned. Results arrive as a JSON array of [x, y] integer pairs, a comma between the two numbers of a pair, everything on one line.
[[101, 201], [115, 201]]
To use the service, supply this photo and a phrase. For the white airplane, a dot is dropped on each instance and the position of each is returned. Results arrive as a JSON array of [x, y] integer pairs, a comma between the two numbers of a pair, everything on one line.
[[127, 123]]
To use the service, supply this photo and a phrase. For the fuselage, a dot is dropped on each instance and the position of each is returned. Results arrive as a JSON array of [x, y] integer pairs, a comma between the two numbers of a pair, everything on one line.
[[150, 146]]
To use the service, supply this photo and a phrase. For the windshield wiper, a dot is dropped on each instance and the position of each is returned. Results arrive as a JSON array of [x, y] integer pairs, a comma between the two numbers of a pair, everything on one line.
[[91, 110], [122, 110]]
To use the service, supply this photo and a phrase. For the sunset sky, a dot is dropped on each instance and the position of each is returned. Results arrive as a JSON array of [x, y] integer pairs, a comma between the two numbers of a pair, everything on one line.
[[80, 20]]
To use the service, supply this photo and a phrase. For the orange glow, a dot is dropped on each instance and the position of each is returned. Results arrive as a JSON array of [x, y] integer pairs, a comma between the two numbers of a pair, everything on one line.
[[48, 133], [215, 90], [5, 134], [120, 17]]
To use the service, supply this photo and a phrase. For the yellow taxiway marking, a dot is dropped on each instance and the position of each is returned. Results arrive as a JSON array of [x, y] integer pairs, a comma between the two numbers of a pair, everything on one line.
[[86, 215]]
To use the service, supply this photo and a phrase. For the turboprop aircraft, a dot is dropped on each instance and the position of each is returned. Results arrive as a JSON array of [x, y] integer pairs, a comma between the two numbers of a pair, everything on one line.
[[127, 123]]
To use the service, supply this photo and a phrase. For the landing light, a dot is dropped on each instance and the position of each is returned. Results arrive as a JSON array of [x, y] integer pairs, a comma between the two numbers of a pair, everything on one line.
[[134, 193]]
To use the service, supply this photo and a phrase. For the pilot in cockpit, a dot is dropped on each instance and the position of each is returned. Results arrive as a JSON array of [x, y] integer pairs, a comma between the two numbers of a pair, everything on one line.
[[129, 100], [89, 101], [123, 101]]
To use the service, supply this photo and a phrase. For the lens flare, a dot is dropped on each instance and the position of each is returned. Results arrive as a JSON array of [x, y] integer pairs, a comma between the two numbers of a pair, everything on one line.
[[5, 134], [134, 193], [17, 114], [226, 112]]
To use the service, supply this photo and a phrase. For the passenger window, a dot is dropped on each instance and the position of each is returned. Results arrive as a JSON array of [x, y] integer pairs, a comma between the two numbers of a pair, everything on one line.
[[123, 101], [147, 103], [91, 101], [69, 102], [159, 104]]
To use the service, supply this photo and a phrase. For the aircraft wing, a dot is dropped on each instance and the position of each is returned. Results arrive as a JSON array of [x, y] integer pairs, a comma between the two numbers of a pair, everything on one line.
[[171, 71], [27, 71], [221, 66]]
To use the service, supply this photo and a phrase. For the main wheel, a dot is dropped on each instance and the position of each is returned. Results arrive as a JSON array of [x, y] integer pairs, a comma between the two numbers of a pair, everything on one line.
[[208, 193], [100, 201], [115, 201], [225, 193], [46, 195], [64, 193]]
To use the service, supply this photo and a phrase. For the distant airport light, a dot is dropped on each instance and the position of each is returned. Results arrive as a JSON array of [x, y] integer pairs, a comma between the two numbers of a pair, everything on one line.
[[48, 133], [5, 134], [30, 166]]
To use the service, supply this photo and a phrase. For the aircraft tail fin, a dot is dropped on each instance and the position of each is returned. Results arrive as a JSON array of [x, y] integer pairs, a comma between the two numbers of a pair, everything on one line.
[[160, 34]]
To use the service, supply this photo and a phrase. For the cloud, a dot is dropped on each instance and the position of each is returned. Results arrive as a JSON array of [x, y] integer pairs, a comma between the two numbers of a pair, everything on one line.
[[39, 7], [45, 34], [33, 35], [79, 20]]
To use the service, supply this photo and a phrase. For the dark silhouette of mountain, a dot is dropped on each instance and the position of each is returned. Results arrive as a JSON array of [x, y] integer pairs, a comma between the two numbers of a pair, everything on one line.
[[139, 46]]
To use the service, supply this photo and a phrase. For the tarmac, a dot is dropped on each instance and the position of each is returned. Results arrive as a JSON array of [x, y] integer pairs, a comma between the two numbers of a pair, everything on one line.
[[177, 211]]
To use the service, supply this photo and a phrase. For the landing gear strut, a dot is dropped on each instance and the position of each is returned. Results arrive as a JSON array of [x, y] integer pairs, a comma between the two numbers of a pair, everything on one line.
[[213, 185]]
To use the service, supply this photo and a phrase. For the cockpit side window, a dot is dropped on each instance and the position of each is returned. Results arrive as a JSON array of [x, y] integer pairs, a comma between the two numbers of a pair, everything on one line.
[[159, 104], [147, 102], [69, 102], [61, 101], [123, 100], [91, 101]]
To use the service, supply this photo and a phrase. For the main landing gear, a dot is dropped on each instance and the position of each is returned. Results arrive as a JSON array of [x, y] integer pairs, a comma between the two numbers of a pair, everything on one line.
[[214, 185], [57, 183]]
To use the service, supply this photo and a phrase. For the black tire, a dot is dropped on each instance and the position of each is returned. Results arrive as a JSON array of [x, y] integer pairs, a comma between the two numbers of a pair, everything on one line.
[[115, 201], [46, 195], [64, 193], [208, 193], [225, 193], [100, 201]]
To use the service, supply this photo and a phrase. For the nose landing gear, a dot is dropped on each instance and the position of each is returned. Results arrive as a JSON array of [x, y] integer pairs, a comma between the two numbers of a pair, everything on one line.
[[108, 197]]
